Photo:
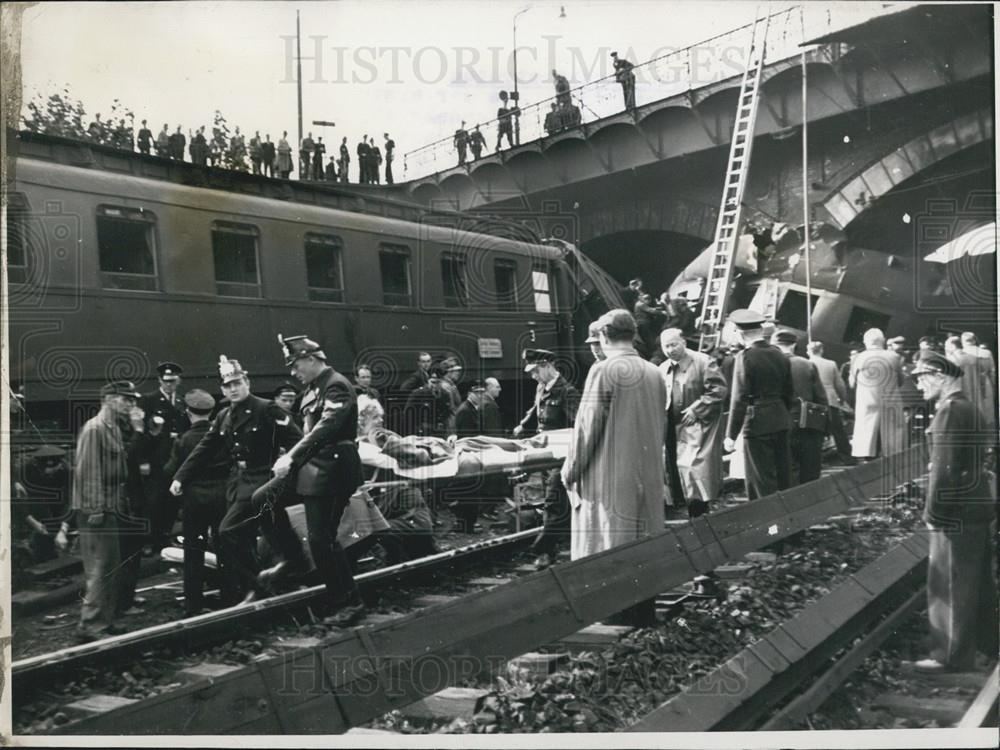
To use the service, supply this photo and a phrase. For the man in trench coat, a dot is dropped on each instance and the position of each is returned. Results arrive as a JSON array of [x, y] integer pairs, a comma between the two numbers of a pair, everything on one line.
[[612, 471], [693, 435], [879, 423]]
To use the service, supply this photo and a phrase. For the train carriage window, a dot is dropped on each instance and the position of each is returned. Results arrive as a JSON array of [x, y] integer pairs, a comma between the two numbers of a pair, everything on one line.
[[793, 311], [543, 289], [861, 320], [505, 273], [17, 238], [456, 292], [234, 248], [324, 267], [394, 262], [125, 248]]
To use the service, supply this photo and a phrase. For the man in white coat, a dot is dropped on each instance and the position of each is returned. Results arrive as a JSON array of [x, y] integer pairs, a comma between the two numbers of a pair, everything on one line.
[[879, 422], [696, 391], [613, 471]]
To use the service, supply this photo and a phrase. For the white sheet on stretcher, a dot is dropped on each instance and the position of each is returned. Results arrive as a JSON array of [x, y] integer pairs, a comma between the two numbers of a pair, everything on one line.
[[551, 444]]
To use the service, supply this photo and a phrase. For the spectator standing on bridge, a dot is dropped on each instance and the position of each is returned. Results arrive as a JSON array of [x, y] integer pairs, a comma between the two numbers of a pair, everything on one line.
[[505, 123], [761, 399], [461, 141], [145, 139], [284, 167], [305, 157], [319, 150], [199, 148], [555, 408], [252, 431], [879, 425], [204, 499], [332, 170], [562, 89], [323, 469], [177, 143], [267, 156], [614, 469], [345, 160], [162, 144], [960, 513], [626, 77], [809, 412], [364, 151], [390, 148], [476, 142], [100, 504], [836, 397], [96, 128], [375, 164], [692, 436], [256, 152], [552, 124]]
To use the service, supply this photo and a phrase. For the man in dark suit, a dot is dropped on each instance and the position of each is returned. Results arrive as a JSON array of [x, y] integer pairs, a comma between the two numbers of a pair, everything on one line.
[[324, 470], [761, 398], [429, 409], [145, 139], [555, 407], [204, 500], [959, 512], [390, 147], [806, 443], [177, 143], [420, 376], [267, 156], [363, 151], [252, 431], [477, 415]]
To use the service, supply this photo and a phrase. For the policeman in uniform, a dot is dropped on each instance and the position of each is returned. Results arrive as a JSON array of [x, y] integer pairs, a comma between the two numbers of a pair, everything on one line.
[[323, 469], [761, 399], [556, 402], [164, 420], [252, 431]]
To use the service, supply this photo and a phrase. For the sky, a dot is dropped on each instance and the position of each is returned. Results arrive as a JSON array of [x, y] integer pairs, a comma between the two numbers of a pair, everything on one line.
[[413, 69]]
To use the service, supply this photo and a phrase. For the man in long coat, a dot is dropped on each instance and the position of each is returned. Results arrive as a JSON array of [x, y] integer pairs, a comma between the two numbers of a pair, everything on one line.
[[960, 513], [693, 434], [806, 443], [613, 469], [879, 423]]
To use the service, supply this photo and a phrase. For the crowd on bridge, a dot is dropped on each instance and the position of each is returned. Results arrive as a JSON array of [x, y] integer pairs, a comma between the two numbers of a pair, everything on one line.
[[646, 440], [221, 149]]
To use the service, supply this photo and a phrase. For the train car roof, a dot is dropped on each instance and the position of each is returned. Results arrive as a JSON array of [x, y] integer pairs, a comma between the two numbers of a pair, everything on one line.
[[124, 175]]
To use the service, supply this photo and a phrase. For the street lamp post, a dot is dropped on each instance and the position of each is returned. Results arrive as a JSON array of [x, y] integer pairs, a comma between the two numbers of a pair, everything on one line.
[[516, 97]]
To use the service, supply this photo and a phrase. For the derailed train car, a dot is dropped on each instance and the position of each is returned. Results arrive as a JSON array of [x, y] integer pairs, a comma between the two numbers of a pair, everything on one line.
[[117, 260], [928, 290]]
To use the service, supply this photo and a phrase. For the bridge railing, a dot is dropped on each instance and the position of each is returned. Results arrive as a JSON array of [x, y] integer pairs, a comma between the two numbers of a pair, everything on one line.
[[690, 68]]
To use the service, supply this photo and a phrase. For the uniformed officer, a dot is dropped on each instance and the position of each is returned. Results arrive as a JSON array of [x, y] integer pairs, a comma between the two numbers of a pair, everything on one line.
[[556, 402], [960, 514], [253, 431], [164, 419], [323, 469], [285, 395], [759, 407]]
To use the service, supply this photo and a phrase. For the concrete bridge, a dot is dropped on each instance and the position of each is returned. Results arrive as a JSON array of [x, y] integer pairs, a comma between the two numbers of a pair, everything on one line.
[[899, 114]]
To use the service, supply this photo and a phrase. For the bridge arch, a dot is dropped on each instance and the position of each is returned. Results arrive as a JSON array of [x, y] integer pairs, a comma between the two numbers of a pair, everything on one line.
[[657, 256], [858, 190]]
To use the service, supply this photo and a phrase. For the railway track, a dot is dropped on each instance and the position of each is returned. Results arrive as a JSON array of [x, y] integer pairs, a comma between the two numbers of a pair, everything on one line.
[[492, 620], [266, 623]]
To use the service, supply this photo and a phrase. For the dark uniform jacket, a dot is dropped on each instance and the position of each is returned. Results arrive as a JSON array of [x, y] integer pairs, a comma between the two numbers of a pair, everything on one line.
[[416, 379], [252, 433], [554, 409], [175, 419], [326, 458], [762, 394], [958, 488], [806, 385], [429, 412], [214, 471], [478, 420]]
